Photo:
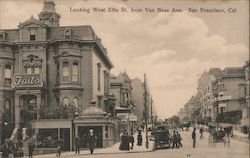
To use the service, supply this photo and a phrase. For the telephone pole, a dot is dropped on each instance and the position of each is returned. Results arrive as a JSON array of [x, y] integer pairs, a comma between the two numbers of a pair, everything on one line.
[[146, 108]]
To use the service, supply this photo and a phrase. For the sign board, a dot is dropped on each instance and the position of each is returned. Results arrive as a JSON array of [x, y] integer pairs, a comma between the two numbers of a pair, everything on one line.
[[132, 118], [27, 80], [123, 116]]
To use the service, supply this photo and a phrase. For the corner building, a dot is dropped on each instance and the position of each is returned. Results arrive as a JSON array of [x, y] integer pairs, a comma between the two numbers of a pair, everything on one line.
[[49, 76]]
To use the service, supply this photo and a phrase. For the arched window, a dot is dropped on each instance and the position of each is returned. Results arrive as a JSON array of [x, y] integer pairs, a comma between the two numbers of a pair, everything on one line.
[[65, 101], [76, 102]]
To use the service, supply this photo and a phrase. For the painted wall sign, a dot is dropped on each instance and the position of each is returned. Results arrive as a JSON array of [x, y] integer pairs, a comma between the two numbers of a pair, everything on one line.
[[27, 80]]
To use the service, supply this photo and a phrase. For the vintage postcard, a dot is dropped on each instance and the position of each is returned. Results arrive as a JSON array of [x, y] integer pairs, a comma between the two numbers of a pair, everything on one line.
[[119, 78]]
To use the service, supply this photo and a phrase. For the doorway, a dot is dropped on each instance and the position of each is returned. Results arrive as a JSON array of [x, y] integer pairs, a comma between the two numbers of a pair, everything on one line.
[[83, 132], [28, 110]]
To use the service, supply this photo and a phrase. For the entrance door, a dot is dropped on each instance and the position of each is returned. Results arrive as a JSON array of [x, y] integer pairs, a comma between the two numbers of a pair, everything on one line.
[[28, 111], [65, 136], [83, 132]]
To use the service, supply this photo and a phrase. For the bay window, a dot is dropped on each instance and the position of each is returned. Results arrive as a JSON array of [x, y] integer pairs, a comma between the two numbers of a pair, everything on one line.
[[65, 74]]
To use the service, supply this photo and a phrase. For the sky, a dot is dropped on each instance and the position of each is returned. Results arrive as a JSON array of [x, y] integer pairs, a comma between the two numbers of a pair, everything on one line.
[[173, 49]]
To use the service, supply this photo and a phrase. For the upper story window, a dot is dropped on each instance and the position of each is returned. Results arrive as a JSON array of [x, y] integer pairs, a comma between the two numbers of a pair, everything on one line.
[[65, 74], [75, 72], [2, 36], [32, 35], [33, 70], [7, 74], [99, 76]]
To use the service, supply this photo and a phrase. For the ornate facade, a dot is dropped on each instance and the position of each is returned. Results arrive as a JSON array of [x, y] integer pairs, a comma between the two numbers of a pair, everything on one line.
[[47, 69]]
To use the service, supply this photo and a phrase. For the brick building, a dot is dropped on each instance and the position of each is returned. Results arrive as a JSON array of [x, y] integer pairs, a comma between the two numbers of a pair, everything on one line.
[[47, 70]]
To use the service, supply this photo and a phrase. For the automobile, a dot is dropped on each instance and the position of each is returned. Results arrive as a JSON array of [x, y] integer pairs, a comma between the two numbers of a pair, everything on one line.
[[161, 137]]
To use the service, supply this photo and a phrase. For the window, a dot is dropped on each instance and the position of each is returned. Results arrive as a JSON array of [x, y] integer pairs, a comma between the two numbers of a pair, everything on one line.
[[99, 76], [29, 70], [32, 35], [65, 74], [75, 72], [76, 102], [7, 105], [57, 73], [7, 111], [65, 101], [7, 74], [105, 74], [37, 70]]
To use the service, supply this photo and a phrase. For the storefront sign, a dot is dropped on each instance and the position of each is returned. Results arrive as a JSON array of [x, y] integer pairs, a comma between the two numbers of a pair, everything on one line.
[[27, 80]]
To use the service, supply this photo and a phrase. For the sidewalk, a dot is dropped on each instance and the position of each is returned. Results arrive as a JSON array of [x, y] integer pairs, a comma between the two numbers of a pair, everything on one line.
[[240, 136], [112, 150]]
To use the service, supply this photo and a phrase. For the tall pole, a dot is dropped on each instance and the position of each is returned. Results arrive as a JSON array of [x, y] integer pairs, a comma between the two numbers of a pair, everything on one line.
[[146, 109], [152, 118]]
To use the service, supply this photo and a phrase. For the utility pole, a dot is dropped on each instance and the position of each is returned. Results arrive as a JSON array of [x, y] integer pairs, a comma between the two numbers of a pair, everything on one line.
[[146, 109], [152, 118]]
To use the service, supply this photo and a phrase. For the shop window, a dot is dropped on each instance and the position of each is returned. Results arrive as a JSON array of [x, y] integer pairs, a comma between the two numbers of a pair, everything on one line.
[[7, 74], [99, 76], [47, 138], [65, 74], [76, 102], [65, 101], [75, 72]]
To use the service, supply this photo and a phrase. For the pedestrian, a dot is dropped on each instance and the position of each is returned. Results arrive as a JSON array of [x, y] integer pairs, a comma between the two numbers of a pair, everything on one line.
[[125, 140], [179, 139], [132, 141], [77, 144], [59, 150], [175, 140], [5, 149], [201, 132], [139, 137], [194, 137], [31, 147], [92, 141]]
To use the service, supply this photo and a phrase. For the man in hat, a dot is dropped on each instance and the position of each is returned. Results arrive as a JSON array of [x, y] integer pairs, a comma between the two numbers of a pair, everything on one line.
[[77, 144], [92, 140]]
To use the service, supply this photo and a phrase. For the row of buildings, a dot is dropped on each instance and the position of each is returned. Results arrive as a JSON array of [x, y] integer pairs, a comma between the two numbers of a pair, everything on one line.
[[222, 96], [55, 81]]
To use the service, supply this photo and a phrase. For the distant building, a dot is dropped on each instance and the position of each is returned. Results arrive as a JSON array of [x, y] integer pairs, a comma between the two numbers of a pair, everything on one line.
[[206, 93], [120, 87], [230, 91]]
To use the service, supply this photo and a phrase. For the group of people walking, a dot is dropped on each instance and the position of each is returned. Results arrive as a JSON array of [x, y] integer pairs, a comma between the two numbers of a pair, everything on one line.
[[127, 141], [176, 140]]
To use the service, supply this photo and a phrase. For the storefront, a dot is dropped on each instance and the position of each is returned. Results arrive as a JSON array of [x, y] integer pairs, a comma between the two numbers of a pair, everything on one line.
[[50, 133], [103, 126]]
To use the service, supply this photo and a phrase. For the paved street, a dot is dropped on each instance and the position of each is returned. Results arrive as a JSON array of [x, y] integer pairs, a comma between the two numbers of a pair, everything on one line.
[[236, 150]]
